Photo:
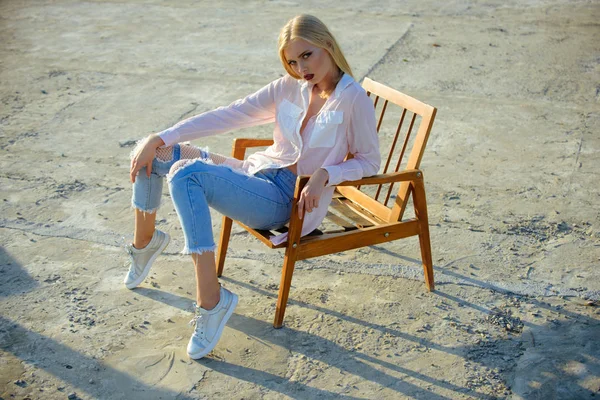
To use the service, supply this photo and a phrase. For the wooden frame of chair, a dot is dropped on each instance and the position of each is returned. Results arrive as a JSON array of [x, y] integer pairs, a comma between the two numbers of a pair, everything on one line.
[[372, 221]]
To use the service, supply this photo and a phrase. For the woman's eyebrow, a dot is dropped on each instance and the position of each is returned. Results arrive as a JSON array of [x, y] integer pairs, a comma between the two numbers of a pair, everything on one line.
[[301, 54]]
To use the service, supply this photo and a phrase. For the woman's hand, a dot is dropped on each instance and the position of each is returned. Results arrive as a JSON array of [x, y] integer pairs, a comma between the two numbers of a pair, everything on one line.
[[309, 198], [144, 154]]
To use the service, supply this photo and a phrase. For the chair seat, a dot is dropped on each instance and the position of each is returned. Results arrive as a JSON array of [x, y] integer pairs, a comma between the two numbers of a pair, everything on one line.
[[356, 217], [265, 235]]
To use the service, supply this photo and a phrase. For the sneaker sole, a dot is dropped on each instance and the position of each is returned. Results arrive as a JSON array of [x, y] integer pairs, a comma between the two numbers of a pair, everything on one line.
[[144, 274], [208, 349]]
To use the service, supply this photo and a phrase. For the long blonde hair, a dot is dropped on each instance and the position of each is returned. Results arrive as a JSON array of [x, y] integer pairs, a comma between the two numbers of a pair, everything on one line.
[[311, 29]]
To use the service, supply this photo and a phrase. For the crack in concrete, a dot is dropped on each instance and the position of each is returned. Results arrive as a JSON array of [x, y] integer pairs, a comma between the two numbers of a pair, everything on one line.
[[182, 116], [386, 54], [580, 145], [576, 166]]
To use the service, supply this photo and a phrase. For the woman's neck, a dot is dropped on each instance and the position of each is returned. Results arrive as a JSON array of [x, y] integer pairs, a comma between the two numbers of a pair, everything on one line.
[[327, 86]]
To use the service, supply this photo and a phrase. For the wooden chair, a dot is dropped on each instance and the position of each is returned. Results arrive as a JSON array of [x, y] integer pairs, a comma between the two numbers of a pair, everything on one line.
[[370, 220]]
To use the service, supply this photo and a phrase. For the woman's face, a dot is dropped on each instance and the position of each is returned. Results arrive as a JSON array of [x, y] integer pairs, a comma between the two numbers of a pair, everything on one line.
[[310, 62]]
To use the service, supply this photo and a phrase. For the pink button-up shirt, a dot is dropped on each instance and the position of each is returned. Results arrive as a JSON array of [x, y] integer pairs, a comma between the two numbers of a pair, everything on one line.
[[346, 123]]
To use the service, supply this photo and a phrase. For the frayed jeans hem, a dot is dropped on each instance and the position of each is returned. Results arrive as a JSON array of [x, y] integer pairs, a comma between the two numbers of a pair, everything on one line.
[[198, 249], [144, 210]]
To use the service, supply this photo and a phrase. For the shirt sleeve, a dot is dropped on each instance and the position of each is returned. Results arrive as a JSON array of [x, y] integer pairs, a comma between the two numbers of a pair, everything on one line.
[[255, 109], [363, 143]]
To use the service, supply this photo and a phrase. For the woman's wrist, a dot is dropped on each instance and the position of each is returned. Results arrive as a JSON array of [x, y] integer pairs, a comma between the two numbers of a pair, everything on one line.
[[156, 140], [325, 175]]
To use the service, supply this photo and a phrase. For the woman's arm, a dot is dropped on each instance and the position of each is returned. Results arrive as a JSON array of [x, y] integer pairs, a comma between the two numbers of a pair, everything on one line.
[[363, 144], [255, 109]]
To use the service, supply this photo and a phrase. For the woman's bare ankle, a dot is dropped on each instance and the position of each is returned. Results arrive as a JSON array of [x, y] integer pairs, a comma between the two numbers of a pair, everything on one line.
[[144, 228], [141, 243], [211, 303]]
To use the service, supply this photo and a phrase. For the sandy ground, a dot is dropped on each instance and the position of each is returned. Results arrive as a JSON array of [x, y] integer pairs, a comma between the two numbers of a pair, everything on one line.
[[512, 180]]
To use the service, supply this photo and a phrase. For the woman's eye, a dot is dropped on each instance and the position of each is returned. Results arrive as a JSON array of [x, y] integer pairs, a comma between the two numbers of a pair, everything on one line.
[[291, 62], [306, 55]]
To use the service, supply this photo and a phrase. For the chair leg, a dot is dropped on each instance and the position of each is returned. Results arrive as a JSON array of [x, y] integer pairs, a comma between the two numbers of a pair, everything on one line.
[[426, 256], [420, 203], [223, 244], [284, 290], [291, 253]]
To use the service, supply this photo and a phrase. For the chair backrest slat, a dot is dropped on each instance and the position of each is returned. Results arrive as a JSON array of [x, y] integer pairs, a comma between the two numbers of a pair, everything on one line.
[[404, 145], [381, 115], [376, 101], [406, 139], [391, 153], [421, 120]]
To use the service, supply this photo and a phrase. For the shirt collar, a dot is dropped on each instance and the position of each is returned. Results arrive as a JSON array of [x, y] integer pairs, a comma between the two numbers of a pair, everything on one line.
[[342, 84]]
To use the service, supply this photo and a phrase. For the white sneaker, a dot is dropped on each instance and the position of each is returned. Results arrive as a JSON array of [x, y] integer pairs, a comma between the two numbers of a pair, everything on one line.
[[210, 325], [142, 259]]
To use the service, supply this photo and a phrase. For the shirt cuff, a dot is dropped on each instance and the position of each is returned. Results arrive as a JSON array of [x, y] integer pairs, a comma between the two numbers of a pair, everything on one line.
[[335, 175], [169, 136]]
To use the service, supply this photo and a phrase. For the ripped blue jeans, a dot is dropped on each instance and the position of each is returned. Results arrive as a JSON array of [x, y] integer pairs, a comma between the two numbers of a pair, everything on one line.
[[260, 201]]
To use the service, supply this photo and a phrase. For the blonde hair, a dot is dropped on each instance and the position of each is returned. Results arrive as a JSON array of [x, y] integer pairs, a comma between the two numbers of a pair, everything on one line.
[[311, 29]]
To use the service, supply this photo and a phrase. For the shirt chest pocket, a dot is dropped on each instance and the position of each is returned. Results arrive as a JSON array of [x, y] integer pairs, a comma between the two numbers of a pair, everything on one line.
[[288, 118], [325, 129]]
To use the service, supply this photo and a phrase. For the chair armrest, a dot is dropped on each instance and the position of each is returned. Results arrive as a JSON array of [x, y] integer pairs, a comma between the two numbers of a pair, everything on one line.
[[241, 144], [408, 175], [302, 180], [249, 142]]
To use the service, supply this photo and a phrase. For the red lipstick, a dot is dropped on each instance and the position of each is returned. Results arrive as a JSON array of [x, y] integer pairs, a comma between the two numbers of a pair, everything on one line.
[[308, 77]]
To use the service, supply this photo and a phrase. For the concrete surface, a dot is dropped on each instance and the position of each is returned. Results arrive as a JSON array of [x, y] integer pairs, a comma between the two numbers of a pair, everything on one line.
[[512, 182]]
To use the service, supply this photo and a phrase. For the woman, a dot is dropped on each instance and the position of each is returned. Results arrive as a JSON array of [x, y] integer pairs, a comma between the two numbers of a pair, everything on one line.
[[320, 114]]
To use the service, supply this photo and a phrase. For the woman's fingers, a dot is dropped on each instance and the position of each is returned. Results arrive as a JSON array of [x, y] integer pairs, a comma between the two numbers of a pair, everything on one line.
[[131, 167], [306, 204], [301, 206], [136, 167], [143, 158], [307, 201], [132, 171]]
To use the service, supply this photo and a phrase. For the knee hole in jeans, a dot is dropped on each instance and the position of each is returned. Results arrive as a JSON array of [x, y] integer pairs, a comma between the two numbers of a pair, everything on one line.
[[164, 154], [190, 151], [187, 151], [179, 165]]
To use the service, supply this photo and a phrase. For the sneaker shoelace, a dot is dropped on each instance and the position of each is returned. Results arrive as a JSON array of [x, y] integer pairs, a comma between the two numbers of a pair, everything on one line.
[[197, 321], [129, 251]]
